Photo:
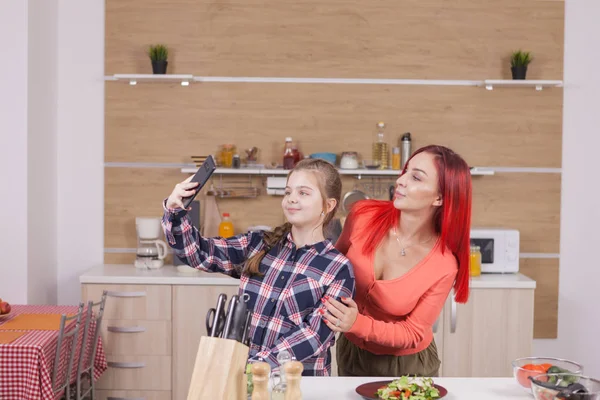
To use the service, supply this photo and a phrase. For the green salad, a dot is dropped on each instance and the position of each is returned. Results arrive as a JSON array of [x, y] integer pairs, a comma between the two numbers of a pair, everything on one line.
[[407, 388]]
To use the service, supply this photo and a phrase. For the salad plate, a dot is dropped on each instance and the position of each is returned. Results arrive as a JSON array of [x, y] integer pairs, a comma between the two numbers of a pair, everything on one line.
[[399, 389]]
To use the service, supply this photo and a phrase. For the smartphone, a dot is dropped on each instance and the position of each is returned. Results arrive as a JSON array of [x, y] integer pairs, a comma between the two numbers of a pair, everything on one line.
[[202, 175]]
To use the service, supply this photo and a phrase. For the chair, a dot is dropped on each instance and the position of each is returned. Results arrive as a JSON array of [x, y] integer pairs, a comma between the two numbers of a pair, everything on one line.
[[85, 367], [66, 347]]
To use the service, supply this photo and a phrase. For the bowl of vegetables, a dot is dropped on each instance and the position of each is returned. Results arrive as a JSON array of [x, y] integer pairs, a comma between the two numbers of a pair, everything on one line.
[[527, 367], [564, 386]]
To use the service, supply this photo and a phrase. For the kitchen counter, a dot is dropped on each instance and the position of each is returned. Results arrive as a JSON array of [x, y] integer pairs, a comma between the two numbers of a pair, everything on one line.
[[338, 388], [170, 275]]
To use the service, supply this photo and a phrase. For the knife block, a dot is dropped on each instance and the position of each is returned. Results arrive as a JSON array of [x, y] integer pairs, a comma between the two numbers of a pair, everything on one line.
[[219, 370]]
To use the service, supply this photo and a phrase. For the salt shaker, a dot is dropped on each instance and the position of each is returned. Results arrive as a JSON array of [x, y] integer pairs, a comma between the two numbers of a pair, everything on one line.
[[260, 380], [293, 373]]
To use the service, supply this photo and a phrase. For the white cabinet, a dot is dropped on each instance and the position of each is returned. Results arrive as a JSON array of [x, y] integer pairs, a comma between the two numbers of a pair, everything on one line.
[[190, 306], [482, 337], [479, 338]]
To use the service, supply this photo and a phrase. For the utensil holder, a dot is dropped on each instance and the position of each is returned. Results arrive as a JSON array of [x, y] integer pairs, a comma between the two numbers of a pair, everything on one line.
[[219, 370]]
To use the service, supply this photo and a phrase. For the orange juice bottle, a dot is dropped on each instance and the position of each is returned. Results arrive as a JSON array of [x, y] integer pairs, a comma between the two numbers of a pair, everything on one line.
[[226, 226], [475, 261]]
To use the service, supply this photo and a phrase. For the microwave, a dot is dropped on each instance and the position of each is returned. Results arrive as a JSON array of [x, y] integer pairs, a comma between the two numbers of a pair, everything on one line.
[[499, 249]]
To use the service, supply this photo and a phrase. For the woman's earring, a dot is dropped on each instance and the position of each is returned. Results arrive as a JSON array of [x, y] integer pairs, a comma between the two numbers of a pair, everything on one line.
[[322, 213]]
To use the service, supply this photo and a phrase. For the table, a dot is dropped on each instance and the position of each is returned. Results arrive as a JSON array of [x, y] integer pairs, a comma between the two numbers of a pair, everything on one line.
[[343, 388], [26, 363]]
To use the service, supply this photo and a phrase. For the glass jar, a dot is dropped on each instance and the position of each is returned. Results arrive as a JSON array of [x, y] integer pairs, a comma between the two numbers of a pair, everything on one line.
[[475, 261], [227, 152], [237, 163], [349, 160], [396, 162]]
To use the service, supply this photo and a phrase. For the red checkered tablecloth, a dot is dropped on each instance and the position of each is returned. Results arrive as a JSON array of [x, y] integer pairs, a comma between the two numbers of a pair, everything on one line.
[[26, 363]]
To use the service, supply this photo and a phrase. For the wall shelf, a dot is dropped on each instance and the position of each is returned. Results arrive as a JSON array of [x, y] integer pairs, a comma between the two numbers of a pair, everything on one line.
[[537, 84], [475, 171], [187, 79], [133, 79]]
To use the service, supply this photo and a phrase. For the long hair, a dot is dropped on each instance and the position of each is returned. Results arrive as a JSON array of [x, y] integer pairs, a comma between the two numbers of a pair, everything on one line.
[[452, 220], [330, 186]]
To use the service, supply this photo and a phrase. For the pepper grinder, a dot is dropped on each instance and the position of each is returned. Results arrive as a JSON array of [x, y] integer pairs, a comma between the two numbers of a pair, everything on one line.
[[260, 380], [293, 373]]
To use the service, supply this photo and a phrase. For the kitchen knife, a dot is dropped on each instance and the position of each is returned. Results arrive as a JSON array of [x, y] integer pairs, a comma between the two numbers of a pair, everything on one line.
[[246, 334], [219, 320], [233, 302], [238, 322]]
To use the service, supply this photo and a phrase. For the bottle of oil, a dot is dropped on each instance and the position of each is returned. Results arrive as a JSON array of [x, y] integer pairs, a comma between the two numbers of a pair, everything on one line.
[[380, 148]]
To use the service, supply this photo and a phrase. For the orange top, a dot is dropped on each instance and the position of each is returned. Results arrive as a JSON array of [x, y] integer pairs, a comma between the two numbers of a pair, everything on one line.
[[396, 316]]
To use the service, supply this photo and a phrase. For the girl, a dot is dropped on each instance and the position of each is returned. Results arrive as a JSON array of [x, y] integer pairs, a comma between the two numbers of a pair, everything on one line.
[[407, 254], [287, 273]]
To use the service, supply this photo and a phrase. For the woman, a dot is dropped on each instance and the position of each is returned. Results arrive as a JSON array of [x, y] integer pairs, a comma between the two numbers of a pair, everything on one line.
[[287, 273], [407, 255]]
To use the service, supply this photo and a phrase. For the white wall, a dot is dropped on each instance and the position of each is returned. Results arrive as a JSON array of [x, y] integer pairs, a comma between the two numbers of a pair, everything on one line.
[[41, 153], [52, 153], [13, 151], [579, 292], [80, 232]]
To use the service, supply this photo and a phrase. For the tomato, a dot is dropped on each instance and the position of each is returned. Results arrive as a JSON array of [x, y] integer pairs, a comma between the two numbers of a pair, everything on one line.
[[545, 367], [527, 371]]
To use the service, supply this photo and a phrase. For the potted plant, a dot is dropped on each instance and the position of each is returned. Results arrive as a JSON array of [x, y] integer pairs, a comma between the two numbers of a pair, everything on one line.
[[158, 55], [518, 64]]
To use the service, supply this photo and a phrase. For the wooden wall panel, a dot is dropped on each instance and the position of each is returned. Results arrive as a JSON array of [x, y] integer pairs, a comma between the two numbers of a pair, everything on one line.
[[527, 202], [138, 192], [412, 39], [169, 123], [545, 273], [502, 200], [437, 39]]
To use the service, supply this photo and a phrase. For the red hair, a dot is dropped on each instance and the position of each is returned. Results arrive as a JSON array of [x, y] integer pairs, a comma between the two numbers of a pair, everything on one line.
[[452, 220]]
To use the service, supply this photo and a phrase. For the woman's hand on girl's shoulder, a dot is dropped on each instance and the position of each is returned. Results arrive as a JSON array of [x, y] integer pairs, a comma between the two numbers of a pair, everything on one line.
[[340, 316]]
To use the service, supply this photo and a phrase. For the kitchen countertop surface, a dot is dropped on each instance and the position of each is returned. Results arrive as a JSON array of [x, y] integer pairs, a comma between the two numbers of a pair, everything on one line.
[[343, 388], [170, 275]]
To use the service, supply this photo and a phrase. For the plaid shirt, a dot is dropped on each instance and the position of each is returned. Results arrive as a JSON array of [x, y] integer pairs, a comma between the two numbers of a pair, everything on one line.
[[285, 300]]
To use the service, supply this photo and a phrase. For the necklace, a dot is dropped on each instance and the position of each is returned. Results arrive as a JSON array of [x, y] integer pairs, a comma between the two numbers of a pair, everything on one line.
[[402, 247]]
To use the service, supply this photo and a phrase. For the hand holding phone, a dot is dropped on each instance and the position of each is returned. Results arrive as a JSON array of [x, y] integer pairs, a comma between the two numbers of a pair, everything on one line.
[[185, 192]]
